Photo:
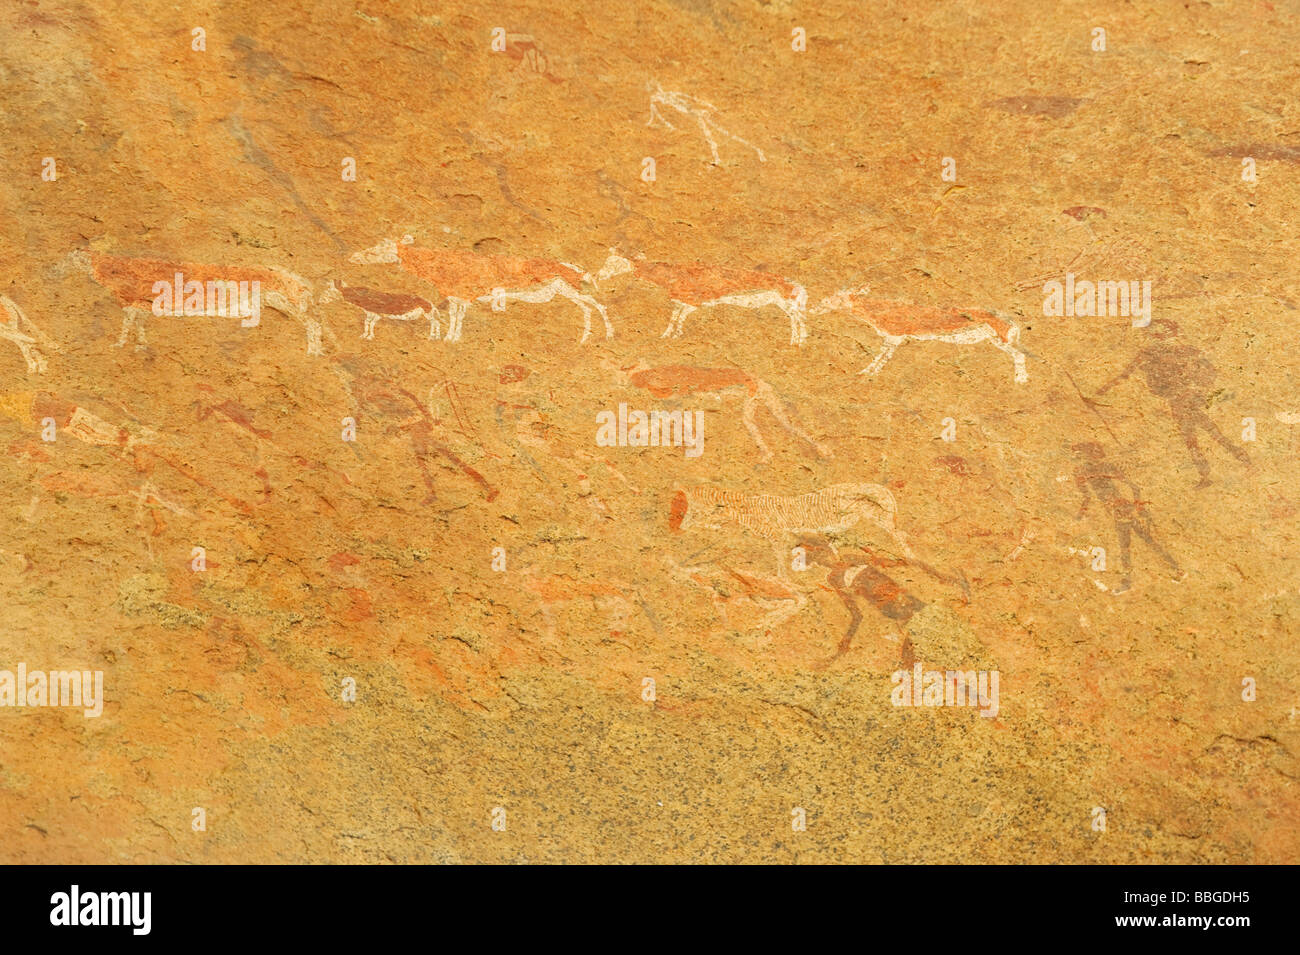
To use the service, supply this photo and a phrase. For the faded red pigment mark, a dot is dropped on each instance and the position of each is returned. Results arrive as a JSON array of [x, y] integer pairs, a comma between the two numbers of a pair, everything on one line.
[[1053, 107], [953, 465], [343, 559], [1263, 152], [1083, 213], [677, 512], [232, 411]]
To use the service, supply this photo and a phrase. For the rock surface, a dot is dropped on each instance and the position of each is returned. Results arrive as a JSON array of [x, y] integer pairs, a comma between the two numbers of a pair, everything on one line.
[[436, 520]]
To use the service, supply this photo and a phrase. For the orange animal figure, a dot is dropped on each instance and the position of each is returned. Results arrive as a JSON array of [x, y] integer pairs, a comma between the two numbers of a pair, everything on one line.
[[463, 277], [614, 598], [703, 286], [377, 305], [666, 381], [898, 322], [524, 49], [133, 282]]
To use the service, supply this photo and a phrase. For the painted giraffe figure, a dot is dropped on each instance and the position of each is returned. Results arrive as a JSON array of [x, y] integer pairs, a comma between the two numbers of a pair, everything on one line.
[[665, 381], [693, 287], [133, 282], [377, 305], [898, 322], [463, 278]]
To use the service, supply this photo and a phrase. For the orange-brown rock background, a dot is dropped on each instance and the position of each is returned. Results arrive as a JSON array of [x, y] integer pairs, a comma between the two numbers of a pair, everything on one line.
[[522, 689]]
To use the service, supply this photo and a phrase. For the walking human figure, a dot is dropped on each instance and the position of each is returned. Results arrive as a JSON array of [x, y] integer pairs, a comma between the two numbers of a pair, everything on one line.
[[377, 394], [1095, 476], [1182, 376]]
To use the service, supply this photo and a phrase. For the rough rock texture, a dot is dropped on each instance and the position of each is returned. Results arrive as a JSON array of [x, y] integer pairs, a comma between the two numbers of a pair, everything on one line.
[[477, 688]]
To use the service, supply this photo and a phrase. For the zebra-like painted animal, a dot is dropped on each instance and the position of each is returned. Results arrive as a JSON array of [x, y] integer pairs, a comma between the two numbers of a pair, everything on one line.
[[775, 517]]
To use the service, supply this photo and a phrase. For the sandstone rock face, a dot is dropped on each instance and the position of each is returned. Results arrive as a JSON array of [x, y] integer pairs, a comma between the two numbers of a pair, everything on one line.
[[444, 429]]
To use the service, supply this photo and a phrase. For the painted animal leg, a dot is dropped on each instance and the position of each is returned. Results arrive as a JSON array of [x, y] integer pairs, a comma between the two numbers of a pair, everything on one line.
[[887, 525], [798, 327], [456, 308], [129, 319], [886, 353], [775, 618], [763, 299], [435, 329], [313, 336], [657, 117], [678, 320], [672, 320], [586, 303], [708, 134], [369, 330], [734, 138], [35, 360], [26, 345], [140, 342], [764, 392], [544, 293], [747, 413], [1017, 356]]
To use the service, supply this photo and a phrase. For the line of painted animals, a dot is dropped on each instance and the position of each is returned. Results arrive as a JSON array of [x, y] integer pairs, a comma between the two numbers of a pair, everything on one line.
[[462, 279]]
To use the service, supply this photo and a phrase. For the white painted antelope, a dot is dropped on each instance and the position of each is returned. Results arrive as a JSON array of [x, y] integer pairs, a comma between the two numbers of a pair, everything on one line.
[[377, 305], [703, 112], [463, 277], [666, 381], [208, 290], [697, 286], [898, 322], [25, 340]]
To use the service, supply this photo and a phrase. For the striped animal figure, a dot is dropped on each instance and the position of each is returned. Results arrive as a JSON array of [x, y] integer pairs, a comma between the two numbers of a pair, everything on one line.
[[133, 282], [693, 287], [463, 278], [898, 322], [377, 305], [775, 517]]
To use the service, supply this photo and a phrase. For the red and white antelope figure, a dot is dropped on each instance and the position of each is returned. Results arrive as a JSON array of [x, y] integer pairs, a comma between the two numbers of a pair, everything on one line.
[[201, 290], [463, 278], [13, 330], [898, 322], [666, 381], [377, 305], [703, 286]]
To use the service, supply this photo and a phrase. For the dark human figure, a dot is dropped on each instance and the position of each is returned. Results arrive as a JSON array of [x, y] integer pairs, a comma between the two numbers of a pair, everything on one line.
[[1183, 377], [855, 576], [1097, 477], [377, 395]]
